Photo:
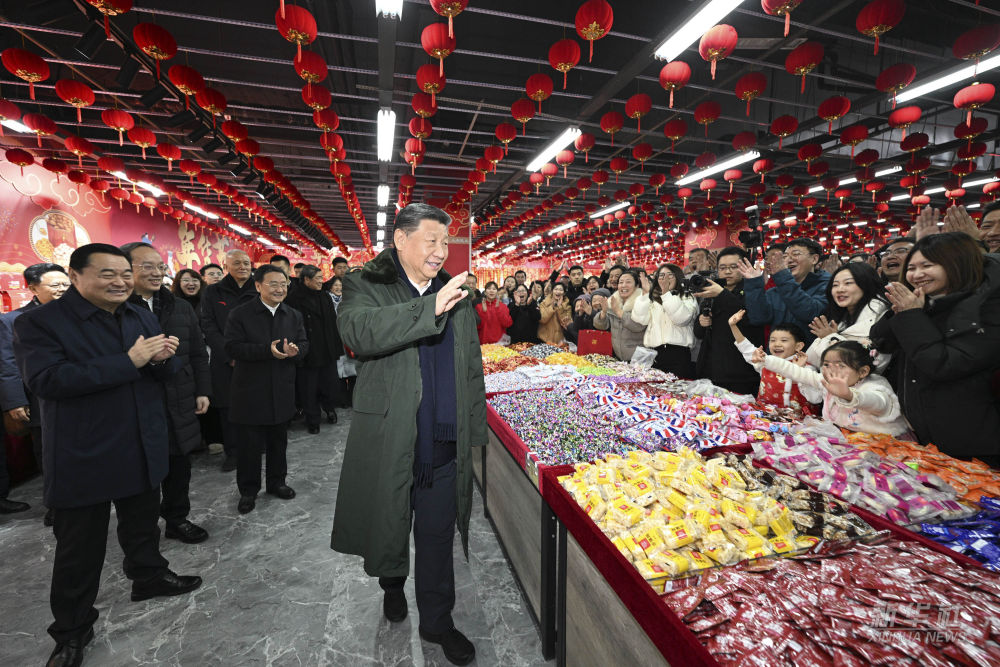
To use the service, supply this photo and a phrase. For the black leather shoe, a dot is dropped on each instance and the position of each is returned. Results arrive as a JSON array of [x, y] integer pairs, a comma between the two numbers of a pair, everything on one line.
[[394, 605], [186, 532], [458, 649], [246, 505], [49, 518], [313, 430], [331, 417], [167, 585], [284, 492], [12, 506], [229, 464], [70, 654]]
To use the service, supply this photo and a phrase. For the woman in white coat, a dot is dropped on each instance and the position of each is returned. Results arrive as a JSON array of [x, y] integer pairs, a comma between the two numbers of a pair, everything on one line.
[[668, 310], [855, 302]]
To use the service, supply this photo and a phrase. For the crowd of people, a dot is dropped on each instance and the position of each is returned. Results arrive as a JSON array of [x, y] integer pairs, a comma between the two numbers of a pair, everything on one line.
[[904, 341]]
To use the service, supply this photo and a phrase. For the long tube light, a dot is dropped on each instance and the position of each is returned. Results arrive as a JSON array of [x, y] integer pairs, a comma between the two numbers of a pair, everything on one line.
[[611, 209], [382, 195], [386, 132], [850, 179], [380, 219], [721, 166], [533, 239], [562, 228], [152, 189], [16, 125], [239, 230], [202, 212], [567, 137], [389, 8], [691, 31], [950, 78]]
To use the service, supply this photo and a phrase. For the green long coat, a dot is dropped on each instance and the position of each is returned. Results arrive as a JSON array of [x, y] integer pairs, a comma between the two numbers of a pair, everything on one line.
[[382, 323]]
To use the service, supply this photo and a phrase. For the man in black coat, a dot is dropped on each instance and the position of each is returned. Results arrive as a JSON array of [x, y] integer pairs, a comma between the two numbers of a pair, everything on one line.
[[314, 378], [187, 391], [264, 337], [216, 303], [47, 282], [97, 365]]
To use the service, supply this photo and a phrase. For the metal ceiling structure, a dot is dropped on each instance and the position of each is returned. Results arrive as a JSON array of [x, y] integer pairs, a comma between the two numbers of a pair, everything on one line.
[[372, 63]]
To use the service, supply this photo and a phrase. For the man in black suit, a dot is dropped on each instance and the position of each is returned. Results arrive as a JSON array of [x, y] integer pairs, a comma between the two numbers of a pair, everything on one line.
[[265, 338], [97, 365]]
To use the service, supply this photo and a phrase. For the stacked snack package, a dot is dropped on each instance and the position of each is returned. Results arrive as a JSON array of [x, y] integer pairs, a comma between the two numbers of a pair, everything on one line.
[[977, 536]]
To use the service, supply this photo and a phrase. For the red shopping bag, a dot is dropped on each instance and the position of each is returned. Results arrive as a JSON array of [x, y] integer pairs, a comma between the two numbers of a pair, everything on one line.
[[592, 341]]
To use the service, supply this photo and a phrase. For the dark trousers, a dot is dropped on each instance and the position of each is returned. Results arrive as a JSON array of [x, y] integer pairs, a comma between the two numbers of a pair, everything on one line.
[[434, 514], [230, 433], [314, 391], [81, 539], [211, 425], [175, 504], [674, 359], [271, 440]]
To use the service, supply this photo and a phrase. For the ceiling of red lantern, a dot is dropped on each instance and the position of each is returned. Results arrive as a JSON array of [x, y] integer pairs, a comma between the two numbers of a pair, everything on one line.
[[240, 53]]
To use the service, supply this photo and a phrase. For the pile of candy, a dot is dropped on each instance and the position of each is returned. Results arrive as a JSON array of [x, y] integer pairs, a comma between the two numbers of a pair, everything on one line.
[[555, 429], [977, 536], [599, 360], [539, 376], [675, 513], [493, 352], [970, 479], [508, 364], [887, 488], [897, 603], [596, 370], [541, 351], [566, 358]]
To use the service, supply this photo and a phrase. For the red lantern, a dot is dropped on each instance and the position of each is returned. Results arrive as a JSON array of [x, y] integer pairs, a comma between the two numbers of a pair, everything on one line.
[[894, 79], [866, 158], [142, 138], [809, 152], [593, 21], [190, 168], [20, 157], [780, 8], [642, 152], [803, 59], [75, 94], [118, 120], [584, 143], [505, 133], [548, 171], [782, 126], [234, 129], [744, 141], [565, 158], [717, 43], [707, 113], [316, 98], [449, 9], [211, 101], [79, 147], [188, 81], [168, 152], [674, 76], [657, 180], [976, 43], [247, 147], [310, 67], [612, 122], [328, 120], [879, 17], [853, 135], [262, 164], [522, 111], [424, 105], [618, 165], [731, 176], [110, 8], [296, 25], [749, 86], [833, 108], [538, 87], [915, 142], [438, 43], [638, 106], [903, 117], [56, 166], [430, 81], [26, 66], [155, 42], [564, 55], [763, 166], [674, 130], [972, 97]]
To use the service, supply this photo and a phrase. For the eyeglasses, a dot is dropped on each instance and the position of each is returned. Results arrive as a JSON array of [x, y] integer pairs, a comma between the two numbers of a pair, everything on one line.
[[728, 267], [797, 254], [149, 267], [63, 285], [277, 285], [901, 252]]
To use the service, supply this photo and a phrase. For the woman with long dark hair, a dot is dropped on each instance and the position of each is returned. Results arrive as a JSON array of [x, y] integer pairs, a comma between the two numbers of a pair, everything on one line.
[[855, 301], [945, 329], [494, 318], [668, 310], [188, 285], [524, 315]]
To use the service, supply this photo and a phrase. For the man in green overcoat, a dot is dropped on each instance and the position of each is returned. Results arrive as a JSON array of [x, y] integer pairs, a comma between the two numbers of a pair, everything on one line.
[[419, 408]]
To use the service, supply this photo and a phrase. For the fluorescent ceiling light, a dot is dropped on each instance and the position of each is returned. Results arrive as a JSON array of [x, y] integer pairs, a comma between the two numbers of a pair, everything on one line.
[[533, 239], [751, 207], [710, 13], [200, 211], [380, 235], [950, 78], [933, 191], [567, 137], [380, 219], [562, 228], [382, 195], [265, 240], [611, 209], [236, 228], [490, 244], [891, 170], [720, 166], [508, 249], [898, 197], [16, 125], [972, 206], [386, 132], [283, 237], [152, 189], [981, 181], [389, 8]]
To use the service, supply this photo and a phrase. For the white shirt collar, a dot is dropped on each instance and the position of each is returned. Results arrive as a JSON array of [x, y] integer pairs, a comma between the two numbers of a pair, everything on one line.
[[273, 309], [420, 289]]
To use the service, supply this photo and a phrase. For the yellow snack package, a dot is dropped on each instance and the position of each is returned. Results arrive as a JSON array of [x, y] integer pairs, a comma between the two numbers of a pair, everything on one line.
[[714, 535], [728, 478], [677, 534], [594, 506], [625, 512], [667, 462], [620, 545], [754, 554], [699, 477], [781, 545], [806, 541], [724, 553], [582, 468], [738, 514], [697, 560], [782, 525], [633, 547], [671, 562], [678, 500], [681, 485], [634, 470], [747, 540], [650, 541]]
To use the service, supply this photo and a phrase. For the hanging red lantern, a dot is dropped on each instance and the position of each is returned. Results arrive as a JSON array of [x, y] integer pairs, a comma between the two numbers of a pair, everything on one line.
[[584, 143], [168, 152], [565, 158], [731, 176], [262, 164], [78, 177], [316, 97], [26, 66], [20, 157], [79, 147], [612, 122], [56, 166], [763, 166], [744, 141], [915, 142], [564, 55], [656, 181], [782, 126], [118, 120], [780, 8], [717, 43], [449, 9], [809, 152], [247, 147], [833, 108], [110, 8], [618, 165], [750, 86], [674, 76], [549, 170], [188, 80], [593, 21], [438, 43], [972, 151], [493, 155], [430, 81], [674, 130], [189, 168], [505, 133], [420, 128], [211, 101], [866, 158], [538, 87], [142, 138], [75, 94], [234, 130], [707, 113], [879, 17], [803, 59], [310, 67], [894, 79], [972, 97], [156, 42], [642, 152], [903, 117], [705, 160], [977, 42], [638, 106], [328, 120], [296, 25], [522, 111]]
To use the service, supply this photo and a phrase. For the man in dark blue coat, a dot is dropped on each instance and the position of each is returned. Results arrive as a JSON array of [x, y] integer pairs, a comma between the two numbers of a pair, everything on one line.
[[96, 363]]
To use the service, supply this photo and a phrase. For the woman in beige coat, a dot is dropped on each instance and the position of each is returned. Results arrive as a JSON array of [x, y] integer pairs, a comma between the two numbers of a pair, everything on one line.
[[556, 316], [616, 317]]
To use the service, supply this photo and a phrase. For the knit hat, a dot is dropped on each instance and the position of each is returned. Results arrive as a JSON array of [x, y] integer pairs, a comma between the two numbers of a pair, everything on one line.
[[583, 297], [606, 293]]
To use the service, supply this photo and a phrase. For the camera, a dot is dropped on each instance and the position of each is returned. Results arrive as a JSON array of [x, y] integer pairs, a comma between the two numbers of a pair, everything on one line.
[[753, 238], [698, 282]]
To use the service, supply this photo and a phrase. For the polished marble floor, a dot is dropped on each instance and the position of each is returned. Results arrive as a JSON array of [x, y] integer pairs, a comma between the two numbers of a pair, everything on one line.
[[274, 592]]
